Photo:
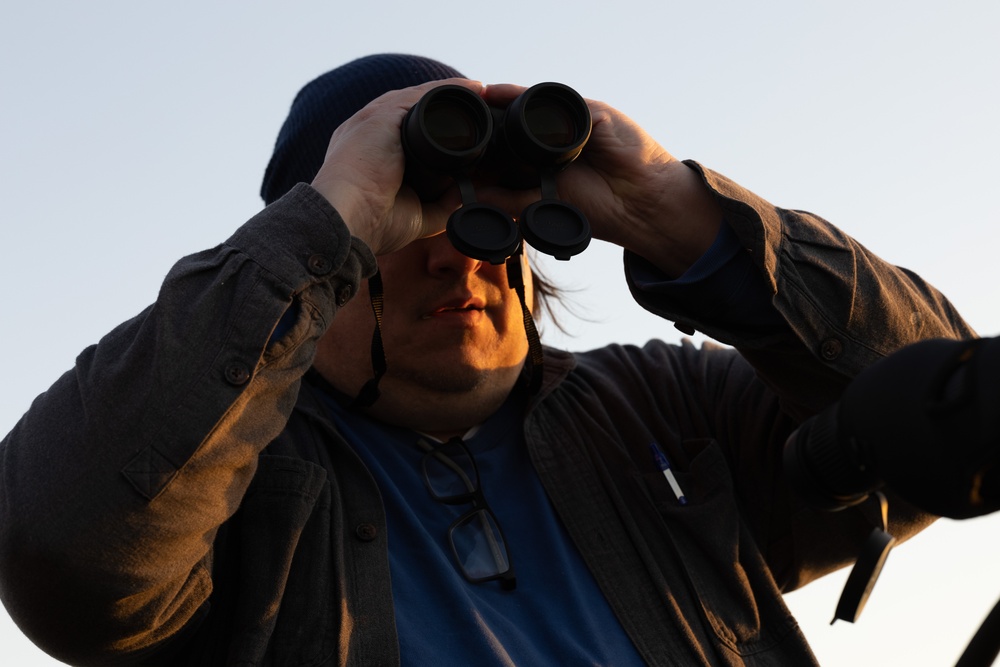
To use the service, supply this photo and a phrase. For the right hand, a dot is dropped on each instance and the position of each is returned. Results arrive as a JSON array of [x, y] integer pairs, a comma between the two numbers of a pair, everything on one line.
[[362, 174]]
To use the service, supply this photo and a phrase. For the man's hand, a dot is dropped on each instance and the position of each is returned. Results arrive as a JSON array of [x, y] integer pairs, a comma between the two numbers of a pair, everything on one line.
[[362, 174], [633, 192]]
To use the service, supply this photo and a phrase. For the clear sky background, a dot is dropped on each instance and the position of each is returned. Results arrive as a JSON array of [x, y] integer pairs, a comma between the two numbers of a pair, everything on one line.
[[134, 133]]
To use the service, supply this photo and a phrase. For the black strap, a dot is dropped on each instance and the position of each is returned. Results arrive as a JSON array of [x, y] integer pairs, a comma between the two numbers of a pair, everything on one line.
[[535, 363], [982, 651], [369, 392]]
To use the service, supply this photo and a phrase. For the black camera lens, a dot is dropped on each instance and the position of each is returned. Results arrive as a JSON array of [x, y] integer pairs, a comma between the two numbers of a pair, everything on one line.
[[447, 130], [453, 124], [547, 125], [551, 122]]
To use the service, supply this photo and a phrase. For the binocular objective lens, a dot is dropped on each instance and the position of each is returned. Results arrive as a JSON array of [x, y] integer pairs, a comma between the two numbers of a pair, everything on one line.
[[551, 122], [452, 125]]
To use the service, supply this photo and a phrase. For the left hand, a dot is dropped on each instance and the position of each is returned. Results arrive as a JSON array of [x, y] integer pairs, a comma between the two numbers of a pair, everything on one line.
[[634, 193]]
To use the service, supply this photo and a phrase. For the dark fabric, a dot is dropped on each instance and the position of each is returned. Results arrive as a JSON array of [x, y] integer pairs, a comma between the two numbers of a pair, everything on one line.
[[725, 276], [133, 490], [900, 412]]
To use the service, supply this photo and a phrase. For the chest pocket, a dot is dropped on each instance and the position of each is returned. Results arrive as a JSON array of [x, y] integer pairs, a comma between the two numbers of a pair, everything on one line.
[[723, 567]]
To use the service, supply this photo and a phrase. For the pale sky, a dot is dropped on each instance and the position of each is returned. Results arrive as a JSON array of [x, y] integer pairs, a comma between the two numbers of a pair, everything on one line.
[[131, 135]]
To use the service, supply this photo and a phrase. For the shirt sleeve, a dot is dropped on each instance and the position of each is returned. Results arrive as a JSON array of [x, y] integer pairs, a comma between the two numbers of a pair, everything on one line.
[[843, 307], [721, 285], [115, 482]]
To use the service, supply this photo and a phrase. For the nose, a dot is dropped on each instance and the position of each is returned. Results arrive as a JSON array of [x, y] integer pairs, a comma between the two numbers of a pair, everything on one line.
[[443, 260]]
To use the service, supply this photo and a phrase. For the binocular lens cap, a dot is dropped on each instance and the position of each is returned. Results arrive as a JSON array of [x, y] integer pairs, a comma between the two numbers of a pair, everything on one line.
[[483, 232], [556, 228]]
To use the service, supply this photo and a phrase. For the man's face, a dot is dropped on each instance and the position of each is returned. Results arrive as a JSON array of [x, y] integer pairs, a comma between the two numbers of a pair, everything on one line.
[[451, 327]]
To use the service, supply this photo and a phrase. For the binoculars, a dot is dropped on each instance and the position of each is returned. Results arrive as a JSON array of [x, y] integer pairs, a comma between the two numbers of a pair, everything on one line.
[[452, 135]]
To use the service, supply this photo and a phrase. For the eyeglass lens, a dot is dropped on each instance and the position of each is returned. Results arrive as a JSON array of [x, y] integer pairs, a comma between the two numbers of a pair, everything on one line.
[[479, 546], [451, 473], [452, 478]]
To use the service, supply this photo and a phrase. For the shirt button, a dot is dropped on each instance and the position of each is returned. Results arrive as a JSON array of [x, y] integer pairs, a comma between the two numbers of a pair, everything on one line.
[[319, 265], [344, 295], [237, 373], [831, 349], [366, 532]]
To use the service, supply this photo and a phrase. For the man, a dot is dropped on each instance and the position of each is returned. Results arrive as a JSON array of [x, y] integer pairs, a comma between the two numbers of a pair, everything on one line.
[[203, 487]]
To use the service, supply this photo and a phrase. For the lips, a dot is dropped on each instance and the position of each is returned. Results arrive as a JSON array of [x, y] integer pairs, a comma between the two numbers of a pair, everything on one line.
[[456, 306]]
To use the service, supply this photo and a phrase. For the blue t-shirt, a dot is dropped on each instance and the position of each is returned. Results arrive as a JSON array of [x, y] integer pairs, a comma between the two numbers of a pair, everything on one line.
[[555, 616]]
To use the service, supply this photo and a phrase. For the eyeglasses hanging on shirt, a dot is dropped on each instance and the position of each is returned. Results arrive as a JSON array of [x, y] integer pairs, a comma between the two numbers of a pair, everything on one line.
[[478, 544]]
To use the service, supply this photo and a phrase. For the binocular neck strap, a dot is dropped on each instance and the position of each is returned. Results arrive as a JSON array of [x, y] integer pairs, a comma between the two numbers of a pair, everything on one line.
[[534, 362], [369, 392]]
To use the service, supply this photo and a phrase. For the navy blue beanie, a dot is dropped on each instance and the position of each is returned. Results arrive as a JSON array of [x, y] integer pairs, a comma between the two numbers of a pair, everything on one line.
[[330, 99]]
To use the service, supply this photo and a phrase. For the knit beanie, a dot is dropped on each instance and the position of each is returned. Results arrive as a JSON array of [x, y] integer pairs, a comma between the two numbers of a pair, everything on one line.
[[330, 99]]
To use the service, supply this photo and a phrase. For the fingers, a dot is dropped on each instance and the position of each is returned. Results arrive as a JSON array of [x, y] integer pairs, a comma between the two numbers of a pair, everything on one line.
[[407, 97], [362, 174], [501, 94]]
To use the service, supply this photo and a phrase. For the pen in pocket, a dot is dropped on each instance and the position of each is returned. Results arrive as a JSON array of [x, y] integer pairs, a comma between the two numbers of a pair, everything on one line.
[[664, 464]]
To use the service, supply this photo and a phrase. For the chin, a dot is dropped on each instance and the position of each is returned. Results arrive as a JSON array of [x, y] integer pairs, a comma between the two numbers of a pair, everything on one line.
[[459, 376], [450, 380]]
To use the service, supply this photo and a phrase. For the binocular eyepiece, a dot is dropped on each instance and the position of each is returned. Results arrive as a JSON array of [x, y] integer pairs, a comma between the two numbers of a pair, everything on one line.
[[451, 134]]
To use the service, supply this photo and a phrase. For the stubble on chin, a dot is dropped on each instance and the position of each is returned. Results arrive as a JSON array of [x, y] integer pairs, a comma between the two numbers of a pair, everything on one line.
[[442, 403], [443, 378]]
